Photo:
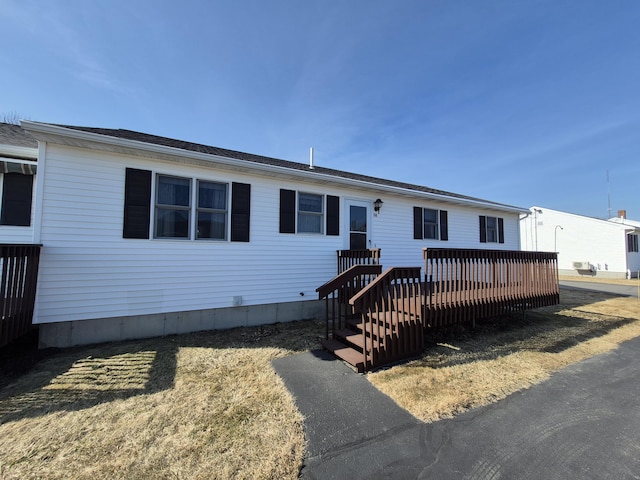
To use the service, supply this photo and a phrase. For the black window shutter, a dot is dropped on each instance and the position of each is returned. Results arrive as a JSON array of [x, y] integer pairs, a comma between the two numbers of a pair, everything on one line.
[[444, 225], [17, 191], [240, 211], [333, 215], [483, 229], [137, 203], [287, 211], [418, 230], [500, 230]]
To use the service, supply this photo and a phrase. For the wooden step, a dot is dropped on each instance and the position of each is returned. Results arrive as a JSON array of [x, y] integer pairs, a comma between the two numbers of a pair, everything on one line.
[[348, 354]]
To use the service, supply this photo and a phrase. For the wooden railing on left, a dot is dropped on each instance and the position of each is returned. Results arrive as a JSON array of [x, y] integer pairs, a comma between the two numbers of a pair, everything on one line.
[[18, 282], [337, 292]]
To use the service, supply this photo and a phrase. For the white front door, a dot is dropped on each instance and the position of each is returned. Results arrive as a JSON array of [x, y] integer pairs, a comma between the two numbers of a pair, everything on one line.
[[358, 217]]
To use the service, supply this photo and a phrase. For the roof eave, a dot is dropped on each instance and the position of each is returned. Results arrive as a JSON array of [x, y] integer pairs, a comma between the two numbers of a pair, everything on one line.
[[48, 132]]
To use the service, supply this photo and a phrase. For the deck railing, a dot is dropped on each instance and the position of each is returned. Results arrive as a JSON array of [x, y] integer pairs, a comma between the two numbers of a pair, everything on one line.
[[339, 290], [390, 310], [462, 285], [18, 281], [349, 258]]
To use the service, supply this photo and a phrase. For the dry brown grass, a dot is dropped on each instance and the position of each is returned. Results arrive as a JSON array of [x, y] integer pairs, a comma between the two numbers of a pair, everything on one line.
[[209, 405], [465, 368], [206, 405]]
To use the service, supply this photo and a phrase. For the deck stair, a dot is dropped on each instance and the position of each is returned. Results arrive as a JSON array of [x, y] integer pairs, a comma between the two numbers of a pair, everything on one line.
[[373, 329]]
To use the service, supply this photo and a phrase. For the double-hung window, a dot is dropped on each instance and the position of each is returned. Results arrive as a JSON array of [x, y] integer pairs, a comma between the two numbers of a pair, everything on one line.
[[185, 208], [632, 243], [304, 212], [310, 213], [491, 229], [173, 207], [430, 224], [212, 211]]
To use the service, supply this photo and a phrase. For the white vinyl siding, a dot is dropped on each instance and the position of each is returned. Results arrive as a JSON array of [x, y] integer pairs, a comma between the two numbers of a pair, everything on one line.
[[88, 270]]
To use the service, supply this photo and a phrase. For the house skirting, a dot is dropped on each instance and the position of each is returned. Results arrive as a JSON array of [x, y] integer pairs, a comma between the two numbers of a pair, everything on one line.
[[84, 332]]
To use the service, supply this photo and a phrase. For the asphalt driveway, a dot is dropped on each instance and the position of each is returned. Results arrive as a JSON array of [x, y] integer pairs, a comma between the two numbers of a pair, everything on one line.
[[584, 422], [613, 288]]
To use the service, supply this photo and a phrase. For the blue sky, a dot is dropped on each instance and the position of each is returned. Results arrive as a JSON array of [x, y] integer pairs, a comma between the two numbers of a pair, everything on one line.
[[520, 102]]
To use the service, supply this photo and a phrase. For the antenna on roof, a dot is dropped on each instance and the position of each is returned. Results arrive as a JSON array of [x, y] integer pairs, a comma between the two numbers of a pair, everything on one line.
[[311, 158], [608, 197]]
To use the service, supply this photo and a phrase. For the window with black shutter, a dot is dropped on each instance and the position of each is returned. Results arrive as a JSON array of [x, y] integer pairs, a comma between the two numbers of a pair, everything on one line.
[[287, 211], [430, 224], [137, 203], [491, 229], [240, 211], [333, 215]]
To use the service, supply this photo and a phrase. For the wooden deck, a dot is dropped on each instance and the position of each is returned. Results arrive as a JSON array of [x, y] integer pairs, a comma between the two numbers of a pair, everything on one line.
[[383, 318]]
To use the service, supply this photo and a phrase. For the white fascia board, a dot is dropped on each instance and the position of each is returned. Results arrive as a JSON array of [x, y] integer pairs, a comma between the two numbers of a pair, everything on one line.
[[48, 132], [16, 151]]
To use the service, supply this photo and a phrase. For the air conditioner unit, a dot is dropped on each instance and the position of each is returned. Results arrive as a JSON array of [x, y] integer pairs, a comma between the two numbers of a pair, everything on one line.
[[581, 265]]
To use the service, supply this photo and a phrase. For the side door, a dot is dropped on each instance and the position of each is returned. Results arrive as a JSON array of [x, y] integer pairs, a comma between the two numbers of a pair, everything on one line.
[[358, 218]]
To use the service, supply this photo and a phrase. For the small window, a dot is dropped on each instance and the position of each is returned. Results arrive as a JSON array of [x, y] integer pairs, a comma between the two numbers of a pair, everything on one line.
[[632, 243], [17, 190], [173, 205], [310, 213], [491, 229], [212, 211], [430, 223]]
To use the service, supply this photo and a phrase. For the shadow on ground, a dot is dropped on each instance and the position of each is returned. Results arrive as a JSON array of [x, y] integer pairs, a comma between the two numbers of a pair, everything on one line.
[[550, 330], [38, 382]]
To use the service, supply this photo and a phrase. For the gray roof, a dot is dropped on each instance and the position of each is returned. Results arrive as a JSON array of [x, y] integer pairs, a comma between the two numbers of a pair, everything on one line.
[[15, 135], [249, 157]]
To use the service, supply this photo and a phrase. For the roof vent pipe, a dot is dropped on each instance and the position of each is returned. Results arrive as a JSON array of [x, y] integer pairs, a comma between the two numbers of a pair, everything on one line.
[[311, 158]]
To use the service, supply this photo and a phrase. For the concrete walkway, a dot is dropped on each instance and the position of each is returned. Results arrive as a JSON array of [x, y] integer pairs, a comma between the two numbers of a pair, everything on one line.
[[582, 423]]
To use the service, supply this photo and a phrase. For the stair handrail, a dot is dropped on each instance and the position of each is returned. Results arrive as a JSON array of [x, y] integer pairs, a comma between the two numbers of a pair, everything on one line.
[[345, 285], [390, 308], [345, 277]]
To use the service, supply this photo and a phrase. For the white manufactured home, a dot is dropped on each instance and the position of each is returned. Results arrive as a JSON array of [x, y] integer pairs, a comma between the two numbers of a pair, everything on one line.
[[144, 235], [586, 246]]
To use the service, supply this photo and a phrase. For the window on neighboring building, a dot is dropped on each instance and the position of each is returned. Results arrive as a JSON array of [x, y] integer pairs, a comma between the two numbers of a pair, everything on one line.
[[17, 190], [632, 243], [429, 223], [173, 207], [212, 211], [491, 229], [310, 213]]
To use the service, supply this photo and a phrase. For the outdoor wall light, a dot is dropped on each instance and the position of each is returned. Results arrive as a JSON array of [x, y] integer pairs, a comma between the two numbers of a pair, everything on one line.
[[377, 205]]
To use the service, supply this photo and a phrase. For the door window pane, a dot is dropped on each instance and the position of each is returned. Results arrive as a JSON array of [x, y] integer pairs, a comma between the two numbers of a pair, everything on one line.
[[358, 219], [358, 241]]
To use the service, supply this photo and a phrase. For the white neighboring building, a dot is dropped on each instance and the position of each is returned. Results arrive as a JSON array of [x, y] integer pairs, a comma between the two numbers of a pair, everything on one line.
[[586, 246], [144, 235]]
